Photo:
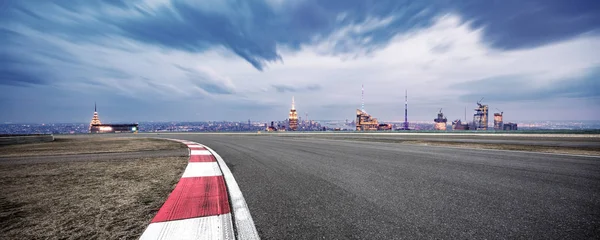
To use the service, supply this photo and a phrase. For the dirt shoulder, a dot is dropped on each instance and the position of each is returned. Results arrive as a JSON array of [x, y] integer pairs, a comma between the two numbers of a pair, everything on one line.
[[80, 145], [94, 198]]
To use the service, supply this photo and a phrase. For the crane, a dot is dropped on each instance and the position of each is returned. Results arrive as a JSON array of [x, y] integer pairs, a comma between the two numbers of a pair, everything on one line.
[[501, 112]]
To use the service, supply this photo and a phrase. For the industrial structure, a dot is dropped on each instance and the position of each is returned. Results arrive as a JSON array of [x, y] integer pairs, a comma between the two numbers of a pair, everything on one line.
[[480, 118], [364, 121], [440, 121], [293, 118], [498, 123], [97, 127], [458, 125]]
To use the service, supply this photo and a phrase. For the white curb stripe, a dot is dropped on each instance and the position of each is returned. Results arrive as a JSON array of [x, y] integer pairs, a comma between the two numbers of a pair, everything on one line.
[[211, 227], [200, 152], [244, 225], [202, 169], [194, 146]]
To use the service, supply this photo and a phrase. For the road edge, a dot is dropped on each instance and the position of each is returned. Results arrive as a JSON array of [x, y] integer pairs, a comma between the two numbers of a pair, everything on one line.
[[185, 215], [243, 224]]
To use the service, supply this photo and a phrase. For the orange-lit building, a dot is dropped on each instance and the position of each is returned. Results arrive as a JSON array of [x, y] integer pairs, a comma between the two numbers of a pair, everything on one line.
[[293, 118], [97, 127], [365, 122], [440, 122], [498, 121]]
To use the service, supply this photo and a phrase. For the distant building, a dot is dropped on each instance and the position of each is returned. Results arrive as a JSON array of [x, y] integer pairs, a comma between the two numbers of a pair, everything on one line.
[[97, 127], [458, 125], [498, 124], [271, 128], [480, 118], [385, 126], [293, 118], [440, 122], [365, 122], [509, 127]]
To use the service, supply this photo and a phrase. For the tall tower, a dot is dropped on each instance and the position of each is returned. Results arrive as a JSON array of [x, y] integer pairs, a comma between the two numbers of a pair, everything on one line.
[[405, 110], [95, 119], [362, 97], [293, 118]]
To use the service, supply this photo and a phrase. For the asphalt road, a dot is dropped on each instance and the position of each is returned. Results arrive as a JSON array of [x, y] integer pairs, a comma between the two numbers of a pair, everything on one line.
[[298, 188]]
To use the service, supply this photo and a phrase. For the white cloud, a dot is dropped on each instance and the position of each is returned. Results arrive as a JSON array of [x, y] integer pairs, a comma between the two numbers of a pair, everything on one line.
[[427, 62]]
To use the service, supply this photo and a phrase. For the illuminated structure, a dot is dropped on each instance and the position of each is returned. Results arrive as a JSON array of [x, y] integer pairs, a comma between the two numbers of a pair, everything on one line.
[[480, 118], [293, 119], [95, 119], [498, 124], [440, 121], [364, 121], [97, 127]]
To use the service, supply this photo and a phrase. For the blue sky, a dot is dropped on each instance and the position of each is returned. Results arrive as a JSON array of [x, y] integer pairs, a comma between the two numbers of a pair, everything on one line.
[[184, 60]]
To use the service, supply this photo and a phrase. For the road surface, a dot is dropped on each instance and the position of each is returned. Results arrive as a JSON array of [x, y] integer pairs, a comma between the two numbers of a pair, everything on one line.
[[299, 188]]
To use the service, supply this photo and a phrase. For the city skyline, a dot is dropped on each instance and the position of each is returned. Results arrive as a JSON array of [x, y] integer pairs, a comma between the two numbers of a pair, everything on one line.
[[183, 61]]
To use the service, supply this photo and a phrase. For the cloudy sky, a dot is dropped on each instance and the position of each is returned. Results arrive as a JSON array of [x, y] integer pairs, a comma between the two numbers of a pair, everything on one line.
[[189, 60]]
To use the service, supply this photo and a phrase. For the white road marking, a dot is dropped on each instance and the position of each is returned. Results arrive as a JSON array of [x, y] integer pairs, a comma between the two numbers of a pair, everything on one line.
[[200, 152], [202, 169], [244, 224], [193, 145], [211, 227]]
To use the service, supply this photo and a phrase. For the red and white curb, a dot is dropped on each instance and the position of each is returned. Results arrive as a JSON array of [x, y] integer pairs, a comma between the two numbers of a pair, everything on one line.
[[202, 204]]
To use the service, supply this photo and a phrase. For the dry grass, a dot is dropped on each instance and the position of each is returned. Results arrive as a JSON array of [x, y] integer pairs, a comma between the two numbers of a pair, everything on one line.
[[84, 200], [80, 145], [95, 198]]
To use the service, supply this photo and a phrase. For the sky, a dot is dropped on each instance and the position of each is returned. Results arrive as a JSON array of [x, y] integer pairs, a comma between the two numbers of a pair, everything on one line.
[[213, 60]]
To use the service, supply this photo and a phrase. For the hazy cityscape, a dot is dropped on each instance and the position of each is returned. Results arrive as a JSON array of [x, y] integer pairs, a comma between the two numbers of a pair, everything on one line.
[[254, 126]]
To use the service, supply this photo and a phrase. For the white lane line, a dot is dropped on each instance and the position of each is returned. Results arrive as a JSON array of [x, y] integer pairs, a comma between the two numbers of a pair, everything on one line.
[[202, 169], [211, 227], [244, 224], [193, 145], [200, 152]]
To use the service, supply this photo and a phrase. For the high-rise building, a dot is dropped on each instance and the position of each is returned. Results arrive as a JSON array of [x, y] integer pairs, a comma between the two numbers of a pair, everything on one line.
[[480, 118], [293, 118], [498, 121]]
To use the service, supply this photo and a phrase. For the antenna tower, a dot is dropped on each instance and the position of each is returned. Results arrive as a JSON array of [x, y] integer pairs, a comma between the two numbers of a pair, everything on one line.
[[405, 109], [362, 98]]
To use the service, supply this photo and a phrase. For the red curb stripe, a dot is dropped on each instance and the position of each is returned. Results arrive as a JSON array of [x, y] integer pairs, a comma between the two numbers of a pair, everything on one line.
[[195, 197], [202, 158]]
